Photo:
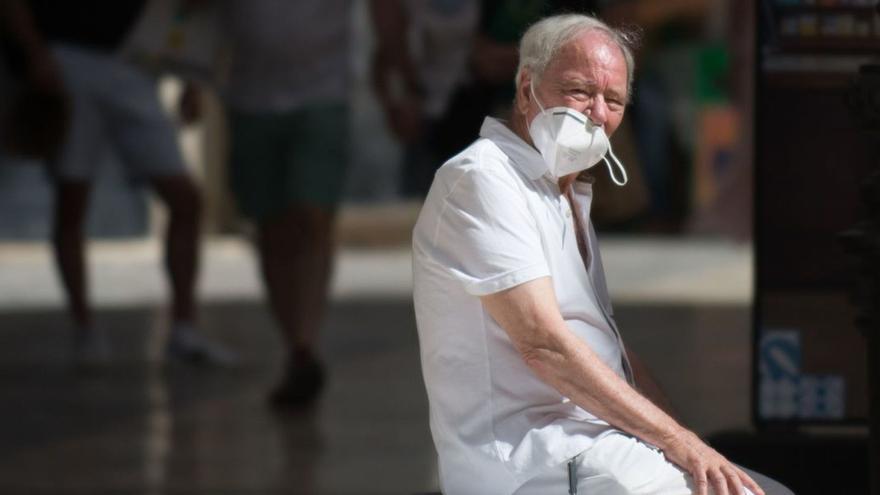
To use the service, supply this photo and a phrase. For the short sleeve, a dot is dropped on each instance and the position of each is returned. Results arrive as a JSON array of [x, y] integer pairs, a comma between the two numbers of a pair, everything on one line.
[[486, 235]]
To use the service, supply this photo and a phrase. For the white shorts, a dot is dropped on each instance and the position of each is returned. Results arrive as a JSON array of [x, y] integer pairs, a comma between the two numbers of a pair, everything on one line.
[[618, 464], [114, 105]]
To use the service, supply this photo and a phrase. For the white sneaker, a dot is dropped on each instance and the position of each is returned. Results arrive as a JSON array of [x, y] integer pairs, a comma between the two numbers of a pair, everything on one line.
[[187, 344], [91, 349]]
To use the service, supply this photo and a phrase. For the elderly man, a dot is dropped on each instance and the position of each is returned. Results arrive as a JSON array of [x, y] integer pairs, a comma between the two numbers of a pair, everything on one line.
[[530, 387]]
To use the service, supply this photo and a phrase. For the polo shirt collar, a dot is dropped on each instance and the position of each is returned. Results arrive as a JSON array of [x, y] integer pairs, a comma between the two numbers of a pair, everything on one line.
[[525, 157]]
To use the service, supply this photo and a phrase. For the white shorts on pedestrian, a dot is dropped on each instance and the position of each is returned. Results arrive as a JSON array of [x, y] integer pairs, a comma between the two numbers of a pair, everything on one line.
[[619, 464], [114, 105]]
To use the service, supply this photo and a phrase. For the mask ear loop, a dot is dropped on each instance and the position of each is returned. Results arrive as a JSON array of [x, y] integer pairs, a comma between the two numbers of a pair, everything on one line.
[[619, 166], [532, 89]]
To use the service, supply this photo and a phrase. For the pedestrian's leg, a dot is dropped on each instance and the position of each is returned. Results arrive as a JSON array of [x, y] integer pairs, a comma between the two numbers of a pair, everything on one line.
[[277, 241], [68, 241], [71, 203], [182, 198], [318, 263], [295, 255]]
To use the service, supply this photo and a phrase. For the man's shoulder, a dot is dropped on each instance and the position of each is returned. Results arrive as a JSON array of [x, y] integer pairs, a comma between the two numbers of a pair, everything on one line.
[[482, 161], [478, 180]]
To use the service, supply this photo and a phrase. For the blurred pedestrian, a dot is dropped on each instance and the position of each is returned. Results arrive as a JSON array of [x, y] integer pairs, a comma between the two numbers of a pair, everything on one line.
[[662, 94], [72, 48], [420, 58], [287, 96]]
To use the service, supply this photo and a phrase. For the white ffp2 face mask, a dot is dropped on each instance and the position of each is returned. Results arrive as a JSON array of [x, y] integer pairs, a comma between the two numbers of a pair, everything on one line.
[[569, 142]]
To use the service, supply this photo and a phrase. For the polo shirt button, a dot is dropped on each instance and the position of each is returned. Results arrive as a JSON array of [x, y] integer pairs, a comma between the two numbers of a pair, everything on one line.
[[567, 213]]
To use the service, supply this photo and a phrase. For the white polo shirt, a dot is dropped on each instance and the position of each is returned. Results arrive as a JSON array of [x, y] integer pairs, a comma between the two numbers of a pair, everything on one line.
[[492, 220]]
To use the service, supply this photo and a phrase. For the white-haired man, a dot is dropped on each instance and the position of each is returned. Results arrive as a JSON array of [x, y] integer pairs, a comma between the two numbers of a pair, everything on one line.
[[530, 388]]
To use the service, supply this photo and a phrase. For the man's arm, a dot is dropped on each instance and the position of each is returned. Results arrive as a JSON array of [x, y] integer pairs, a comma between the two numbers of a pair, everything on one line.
[[393, 72], [529, 314]]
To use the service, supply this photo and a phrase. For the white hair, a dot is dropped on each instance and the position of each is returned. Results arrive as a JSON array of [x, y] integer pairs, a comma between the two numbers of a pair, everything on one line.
[[543, 40]]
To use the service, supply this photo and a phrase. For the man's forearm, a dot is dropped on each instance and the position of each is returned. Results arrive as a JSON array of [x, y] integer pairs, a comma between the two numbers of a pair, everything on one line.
[[394, 76], [562, 360], [390, 25], [578, 373]]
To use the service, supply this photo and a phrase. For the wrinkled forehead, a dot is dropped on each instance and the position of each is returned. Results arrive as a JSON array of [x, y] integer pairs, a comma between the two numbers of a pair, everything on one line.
[[592, 54], [592, 50]]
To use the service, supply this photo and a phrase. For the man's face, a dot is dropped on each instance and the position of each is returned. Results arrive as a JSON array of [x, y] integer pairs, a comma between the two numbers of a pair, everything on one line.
[[588, 75]]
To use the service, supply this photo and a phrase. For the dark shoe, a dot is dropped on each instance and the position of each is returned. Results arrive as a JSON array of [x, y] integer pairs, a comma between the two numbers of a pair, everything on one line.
[[301, 386]]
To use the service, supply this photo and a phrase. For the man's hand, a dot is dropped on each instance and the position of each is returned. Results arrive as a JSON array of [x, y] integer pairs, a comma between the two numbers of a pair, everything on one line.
[[708, 467], [529, 314], [396, 87]]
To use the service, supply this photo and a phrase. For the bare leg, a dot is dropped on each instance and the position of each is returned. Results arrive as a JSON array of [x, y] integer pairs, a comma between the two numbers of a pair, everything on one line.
[[295, 254], [182, 198], [71, 203], [296, 250]]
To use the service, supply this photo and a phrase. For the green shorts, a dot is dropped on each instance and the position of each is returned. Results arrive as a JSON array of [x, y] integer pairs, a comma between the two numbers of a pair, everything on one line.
[[291, 158]]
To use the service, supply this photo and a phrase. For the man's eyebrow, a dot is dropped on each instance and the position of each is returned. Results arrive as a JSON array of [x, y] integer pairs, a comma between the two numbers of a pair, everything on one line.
[[615, 95], [591, 83], [579, 81]]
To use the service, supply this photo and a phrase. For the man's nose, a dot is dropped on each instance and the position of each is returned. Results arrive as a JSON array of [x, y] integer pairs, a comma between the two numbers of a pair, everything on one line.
[[596, 112]]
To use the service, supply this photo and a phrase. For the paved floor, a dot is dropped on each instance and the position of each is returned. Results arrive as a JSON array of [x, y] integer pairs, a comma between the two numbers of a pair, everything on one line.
[[144, 428]]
